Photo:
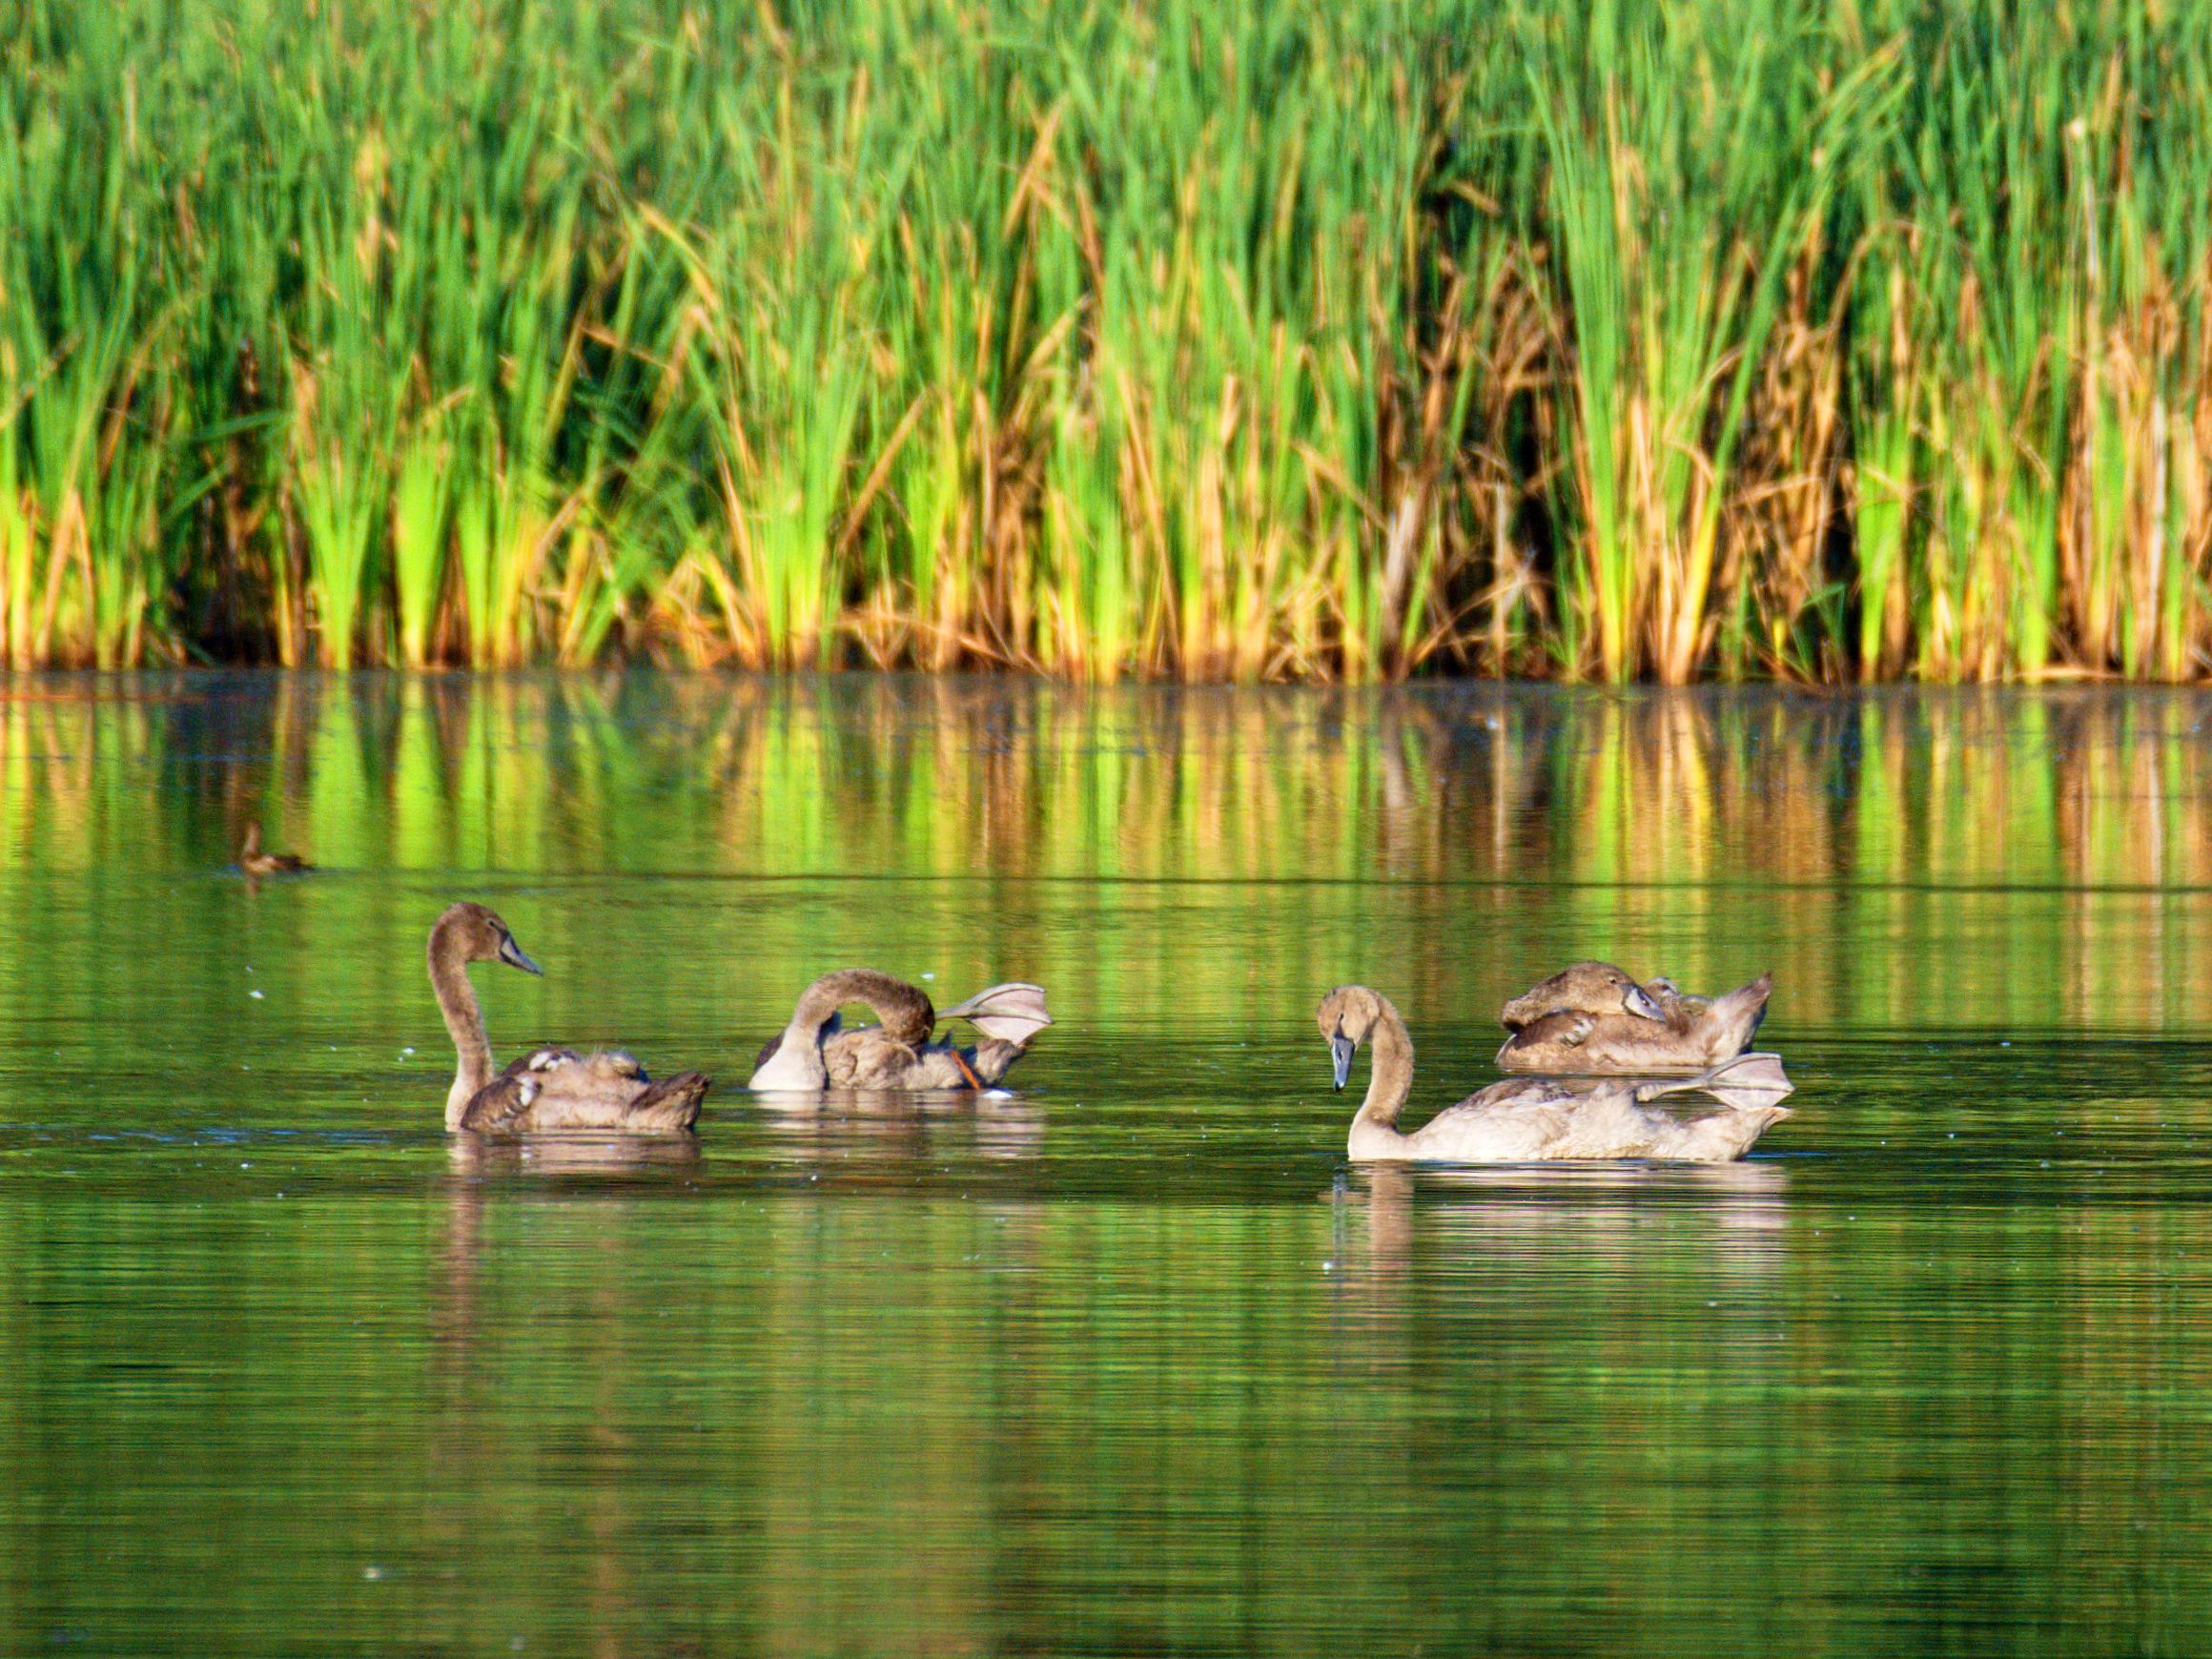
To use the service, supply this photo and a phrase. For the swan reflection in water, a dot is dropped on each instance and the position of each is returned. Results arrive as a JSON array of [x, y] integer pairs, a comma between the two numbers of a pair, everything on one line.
[[618, 1156], [1526, 1216], [605, 1168], [897, 1125], [497, 1403], [608, 1169]]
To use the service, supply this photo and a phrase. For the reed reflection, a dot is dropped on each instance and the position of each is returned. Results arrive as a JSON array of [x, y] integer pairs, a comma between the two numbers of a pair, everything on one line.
[[1730, 830]]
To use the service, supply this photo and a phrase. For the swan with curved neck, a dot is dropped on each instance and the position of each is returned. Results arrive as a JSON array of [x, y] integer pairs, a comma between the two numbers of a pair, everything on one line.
[[551, 1087], [814, 1052], [1581, 988], [1533, 1119], [1593, 1018]]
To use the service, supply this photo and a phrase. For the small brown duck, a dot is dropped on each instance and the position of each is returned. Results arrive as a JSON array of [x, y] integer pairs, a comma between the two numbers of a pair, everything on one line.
[[255, 862], [1593, 1018], [1542, 1119], [552, 1087], [814, 1052]]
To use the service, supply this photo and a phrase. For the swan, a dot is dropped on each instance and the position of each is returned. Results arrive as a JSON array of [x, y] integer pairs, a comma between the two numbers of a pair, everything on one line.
[[1593, 1017], [1584, 988], [813, 1052], [553, 1086], [1531, 1119]]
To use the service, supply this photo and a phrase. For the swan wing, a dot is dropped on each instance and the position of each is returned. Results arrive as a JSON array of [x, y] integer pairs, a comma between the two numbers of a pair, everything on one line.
[[616, 1066], [1515, 1121], [868, 1058], [545, 1058], [1546, 1043], [607, 1089], [503, 1103]]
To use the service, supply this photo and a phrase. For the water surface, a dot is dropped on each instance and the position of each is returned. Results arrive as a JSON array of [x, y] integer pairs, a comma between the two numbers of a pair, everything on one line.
[[1132, 1363]]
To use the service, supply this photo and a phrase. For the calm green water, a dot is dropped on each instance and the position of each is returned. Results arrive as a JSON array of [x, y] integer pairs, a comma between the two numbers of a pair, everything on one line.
[[1132, 1363]]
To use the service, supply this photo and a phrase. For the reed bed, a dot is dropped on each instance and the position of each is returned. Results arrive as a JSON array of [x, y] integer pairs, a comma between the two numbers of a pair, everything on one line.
[[1313, 341]]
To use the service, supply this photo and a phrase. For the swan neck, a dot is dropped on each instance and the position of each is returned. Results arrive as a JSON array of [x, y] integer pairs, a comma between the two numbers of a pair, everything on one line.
[[1389, 1072], [904, 1010], [464, 1020], [795, 1063]]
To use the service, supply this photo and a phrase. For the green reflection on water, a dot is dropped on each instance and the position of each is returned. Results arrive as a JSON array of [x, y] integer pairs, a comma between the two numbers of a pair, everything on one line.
[[1131, 1363]]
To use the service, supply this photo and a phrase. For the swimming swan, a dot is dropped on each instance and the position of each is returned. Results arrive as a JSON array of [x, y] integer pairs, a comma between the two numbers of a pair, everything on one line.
[[551, 1087], [1593, 1017], [1533, 1119], [815, 1052]]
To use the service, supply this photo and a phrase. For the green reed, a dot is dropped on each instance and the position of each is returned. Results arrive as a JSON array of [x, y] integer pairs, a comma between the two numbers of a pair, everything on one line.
[[1304, 341]]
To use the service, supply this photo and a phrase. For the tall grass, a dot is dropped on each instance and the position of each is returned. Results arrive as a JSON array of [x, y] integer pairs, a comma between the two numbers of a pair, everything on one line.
[[1667, 339]]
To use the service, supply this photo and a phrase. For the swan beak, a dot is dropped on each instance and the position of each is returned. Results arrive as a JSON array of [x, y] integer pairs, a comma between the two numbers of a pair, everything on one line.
[[1341, 1049], [511, 954], [1639, 1003]]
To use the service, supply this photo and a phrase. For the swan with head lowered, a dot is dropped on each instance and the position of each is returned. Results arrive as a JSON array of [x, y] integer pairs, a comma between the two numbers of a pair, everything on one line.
[[1537, 1120], [1592, 1018], [552, 1087], [815, 1052]]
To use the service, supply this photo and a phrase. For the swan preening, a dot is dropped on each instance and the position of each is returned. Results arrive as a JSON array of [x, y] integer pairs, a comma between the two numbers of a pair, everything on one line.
[[815, 1052], [556, 1087], [1531, 1119], [552, 1086], [1592, 1018], [1585, 988]]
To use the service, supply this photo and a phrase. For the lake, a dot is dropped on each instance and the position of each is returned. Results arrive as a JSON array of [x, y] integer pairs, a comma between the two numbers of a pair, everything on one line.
[[1132, 1363]]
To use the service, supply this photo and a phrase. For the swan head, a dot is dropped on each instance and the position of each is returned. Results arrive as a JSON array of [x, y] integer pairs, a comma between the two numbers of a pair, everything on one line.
[[1585, 988], [475, 934], [1346, 1015]]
